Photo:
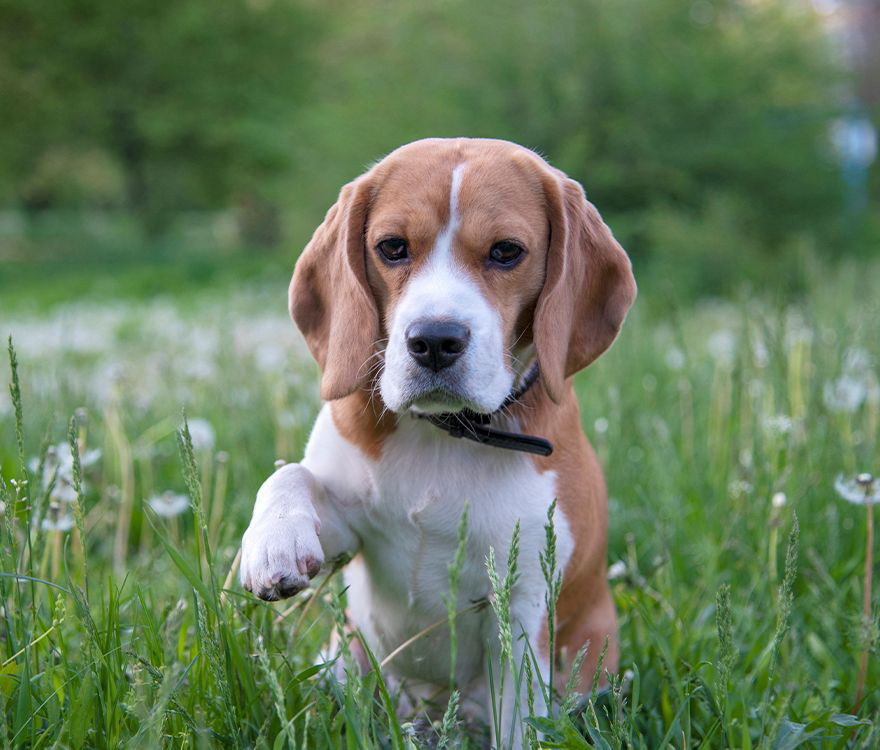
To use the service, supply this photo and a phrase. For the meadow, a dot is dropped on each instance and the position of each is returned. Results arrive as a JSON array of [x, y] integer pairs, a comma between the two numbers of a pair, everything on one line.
[[737, 567]]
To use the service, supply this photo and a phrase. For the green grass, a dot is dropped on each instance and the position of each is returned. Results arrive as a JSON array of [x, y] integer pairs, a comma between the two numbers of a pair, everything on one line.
[[122, 627]]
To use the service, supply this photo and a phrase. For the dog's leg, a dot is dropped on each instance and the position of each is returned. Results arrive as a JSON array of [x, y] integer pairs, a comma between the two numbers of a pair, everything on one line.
[[296, 525]]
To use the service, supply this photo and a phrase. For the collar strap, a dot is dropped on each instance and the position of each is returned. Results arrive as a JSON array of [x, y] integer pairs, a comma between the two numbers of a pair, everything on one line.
[[474, 426]]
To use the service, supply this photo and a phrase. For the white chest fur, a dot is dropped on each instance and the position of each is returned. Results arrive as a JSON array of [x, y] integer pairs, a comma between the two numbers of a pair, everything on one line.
[[405, 509]]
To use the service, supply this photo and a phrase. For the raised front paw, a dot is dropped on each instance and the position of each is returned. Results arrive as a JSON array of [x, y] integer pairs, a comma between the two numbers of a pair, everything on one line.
[[280, 555]]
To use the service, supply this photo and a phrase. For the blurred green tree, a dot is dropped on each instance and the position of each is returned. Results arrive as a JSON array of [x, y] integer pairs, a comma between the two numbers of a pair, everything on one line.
[[189, 100], [664, 109], [699, 127]]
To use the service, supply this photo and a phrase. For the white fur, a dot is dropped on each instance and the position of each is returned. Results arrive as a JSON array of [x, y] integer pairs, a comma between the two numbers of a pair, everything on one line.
[[443, 290], [401, 514]]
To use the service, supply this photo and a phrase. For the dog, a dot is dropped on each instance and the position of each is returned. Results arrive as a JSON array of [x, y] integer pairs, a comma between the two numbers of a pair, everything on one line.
[[448, 297]]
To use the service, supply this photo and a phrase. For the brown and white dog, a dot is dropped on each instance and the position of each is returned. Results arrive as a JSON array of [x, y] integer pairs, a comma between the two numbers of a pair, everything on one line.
[[437, 280]]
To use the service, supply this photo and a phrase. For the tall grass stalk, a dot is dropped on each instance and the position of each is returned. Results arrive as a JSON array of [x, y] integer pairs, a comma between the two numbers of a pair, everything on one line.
[[553, 579], [867, 483], [15, 394], [454, 576], [724, 625], [502, 592], [783, 618], [78, 503]]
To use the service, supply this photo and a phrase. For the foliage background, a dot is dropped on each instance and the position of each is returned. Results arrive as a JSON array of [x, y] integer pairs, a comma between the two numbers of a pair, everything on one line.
[[141, 130], [161, 165]]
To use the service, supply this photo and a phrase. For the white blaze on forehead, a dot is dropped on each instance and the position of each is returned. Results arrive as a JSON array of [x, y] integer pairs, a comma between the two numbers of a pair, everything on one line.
[[443, 289], [441, 254]]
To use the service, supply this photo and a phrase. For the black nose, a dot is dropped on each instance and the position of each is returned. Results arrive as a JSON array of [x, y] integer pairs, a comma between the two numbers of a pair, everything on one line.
[[436, 343]]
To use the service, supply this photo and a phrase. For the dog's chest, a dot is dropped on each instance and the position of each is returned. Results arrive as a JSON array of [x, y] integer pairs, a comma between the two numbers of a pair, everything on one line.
[[422, 485]]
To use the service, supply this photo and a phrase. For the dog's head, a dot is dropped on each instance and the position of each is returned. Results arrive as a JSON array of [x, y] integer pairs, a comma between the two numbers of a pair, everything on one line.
[[446, 265]]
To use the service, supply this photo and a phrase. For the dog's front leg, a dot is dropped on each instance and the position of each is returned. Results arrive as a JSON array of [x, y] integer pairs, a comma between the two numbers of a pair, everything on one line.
[[294, 528]]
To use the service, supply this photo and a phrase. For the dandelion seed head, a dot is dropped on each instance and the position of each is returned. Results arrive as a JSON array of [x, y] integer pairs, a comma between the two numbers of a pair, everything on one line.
[[859, 490], [778, 500], [797, 331], [777, 425], [722, 345], [202, 434], [63, 491], [674, 359], [856, 360], [845, 395], [58, 522], [287, 419], [601, 425], [760, 352], [739, 488], [169, 504]]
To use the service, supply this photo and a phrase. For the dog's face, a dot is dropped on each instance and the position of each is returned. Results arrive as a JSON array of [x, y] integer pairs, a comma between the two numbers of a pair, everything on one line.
[[443, 266], [455, 258]]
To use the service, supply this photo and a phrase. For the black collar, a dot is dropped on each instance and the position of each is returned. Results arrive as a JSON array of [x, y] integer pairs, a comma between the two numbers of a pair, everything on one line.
[[474, 426]]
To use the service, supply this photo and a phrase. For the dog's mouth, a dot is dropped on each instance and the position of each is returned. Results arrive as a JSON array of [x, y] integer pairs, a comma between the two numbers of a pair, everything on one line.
[[440, 393], [438, 401]]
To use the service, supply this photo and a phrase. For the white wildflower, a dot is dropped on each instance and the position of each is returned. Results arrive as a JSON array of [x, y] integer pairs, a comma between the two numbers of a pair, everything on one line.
[[797, 331], [777, 425], [601, 425], [722, 345], [739, 488], [270, 357], [58, 465], [845, 394], [674, 359], [202, 434], [63, 490], [860, 490], [169, 504], [61, 523], [760, 351], [57, 519], [617, 570], [856, 361], [756, 388], [778, 500], [287, 419]]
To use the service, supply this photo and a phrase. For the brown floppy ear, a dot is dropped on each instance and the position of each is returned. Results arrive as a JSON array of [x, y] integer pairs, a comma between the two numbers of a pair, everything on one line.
[[329, 298], [588, 286]]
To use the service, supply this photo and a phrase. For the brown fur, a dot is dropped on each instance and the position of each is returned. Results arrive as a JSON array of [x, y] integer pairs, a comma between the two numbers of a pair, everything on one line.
[[585, 611]]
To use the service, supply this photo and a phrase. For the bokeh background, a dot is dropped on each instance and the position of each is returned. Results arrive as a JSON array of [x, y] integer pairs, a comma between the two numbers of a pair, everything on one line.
[[727, 142], [163, 162]]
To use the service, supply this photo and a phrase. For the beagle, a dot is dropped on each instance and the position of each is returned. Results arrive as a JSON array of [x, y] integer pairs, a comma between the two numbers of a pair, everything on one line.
[[449, 296]]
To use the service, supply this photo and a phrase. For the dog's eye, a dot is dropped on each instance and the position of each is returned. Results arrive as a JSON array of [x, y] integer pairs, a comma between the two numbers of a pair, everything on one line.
[[393, 249], [506, 253]]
